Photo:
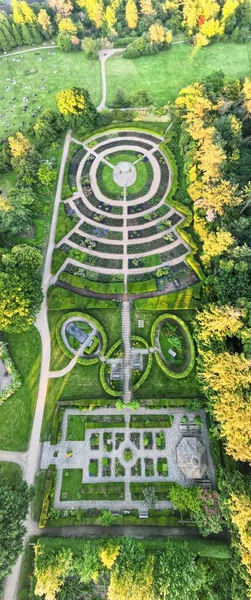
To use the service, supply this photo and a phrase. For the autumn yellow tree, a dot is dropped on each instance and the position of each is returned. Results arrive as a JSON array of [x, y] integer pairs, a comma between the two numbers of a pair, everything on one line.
[[109, 554], [131, 14], [146, 7], [22, 12], [240, 512], [95, 10], [66, 25], [63, 8], [135, 584], [18, 145], [218, 322], [157, 33], [169, 37], [247, 95], [216, 244], [70, 102], [50, 571], [44, 21], [214, 197]]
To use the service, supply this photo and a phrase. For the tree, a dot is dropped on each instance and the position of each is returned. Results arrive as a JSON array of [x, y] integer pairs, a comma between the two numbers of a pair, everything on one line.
[[157, 33], [132, 575], [64, 42], [51, 569], [91, 46], [66, 25], [63, 8], [77, 108], [131, 14], [47, 175], [146, 7], [215, 323], [48, 127], [22, 12], [87, 564], [15, 497], [109, 554], [177, 573], [19, 145], [44, 21], [24, 259], [95, 10], [216, 244]]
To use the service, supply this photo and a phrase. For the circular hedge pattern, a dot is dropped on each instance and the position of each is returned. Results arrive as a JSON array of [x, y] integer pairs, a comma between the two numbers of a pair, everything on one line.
[[181, 342], [94, 323]]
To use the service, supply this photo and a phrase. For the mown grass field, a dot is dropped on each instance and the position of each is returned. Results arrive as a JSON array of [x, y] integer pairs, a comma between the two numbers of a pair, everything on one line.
[[163, 75], [55, 73]]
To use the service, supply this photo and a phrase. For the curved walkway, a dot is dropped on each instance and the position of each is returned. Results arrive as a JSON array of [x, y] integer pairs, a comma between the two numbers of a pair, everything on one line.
[[28, 50]]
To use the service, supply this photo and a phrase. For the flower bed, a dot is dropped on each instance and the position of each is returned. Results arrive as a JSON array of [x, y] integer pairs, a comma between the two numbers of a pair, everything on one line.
[[183, 341]]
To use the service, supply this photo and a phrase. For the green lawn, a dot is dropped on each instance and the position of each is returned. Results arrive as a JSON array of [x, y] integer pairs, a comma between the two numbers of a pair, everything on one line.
[[58, 298], [157, 384], [183, 300], [163, 75], [10, 472], [75, 428], [16, 413], [143, 174], [71, 69]]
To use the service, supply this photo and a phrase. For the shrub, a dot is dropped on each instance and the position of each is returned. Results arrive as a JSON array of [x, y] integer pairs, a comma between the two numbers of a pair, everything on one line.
[[106, 518], [149, 497], [48, 491], [10, 367]]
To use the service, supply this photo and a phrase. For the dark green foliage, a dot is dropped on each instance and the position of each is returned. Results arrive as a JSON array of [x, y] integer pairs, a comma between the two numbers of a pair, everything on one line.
[[15, 496]]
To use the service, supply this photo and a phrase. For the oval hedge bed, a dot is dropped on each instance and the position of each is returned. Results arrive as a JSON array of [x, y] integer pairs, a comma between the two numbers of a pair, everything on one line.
[[145, 373], [83, 361], [189, 361]]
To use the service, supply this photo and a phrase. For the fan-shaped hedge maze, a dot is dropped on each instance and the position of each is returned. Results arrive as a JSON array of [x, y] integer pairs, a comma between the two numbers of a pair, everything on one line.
[[123, 230]]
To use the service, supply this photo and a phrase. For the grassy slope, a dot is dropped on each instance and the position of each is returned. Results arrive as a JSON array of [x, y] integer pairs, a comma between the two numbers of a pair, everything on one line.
[[16, 413], [163, 75], [71, 70]]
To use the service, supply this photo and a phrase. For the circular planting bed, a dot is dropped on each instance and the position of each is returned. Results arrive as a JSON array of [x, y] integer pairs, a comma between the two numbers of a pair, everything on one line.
[[77, 329], [114, 386], [138, 179], [176, 350]]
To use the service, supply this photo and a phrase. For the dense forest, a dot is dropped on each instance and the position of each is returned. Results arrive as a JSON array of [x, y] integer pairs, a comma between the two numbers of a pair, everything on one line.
[[147, 26]]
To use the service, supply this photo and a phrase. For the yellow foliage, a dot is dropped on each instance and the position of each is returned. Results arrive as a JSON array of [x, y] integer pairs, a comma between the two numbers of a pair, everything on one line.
[[95, 9], [5, 204], [240, 510], [62, 7], [146, 7], [110, 17], [70, 102], [22, 13], [215, 244], [247, 94], [66, 25], [211, 28], [214, 197], [169, 36], [131, 14], [200, 40], [18, 145], [43, 20], [137, 586], [217, 322], [108, 555], [229, 8], [157, 33]]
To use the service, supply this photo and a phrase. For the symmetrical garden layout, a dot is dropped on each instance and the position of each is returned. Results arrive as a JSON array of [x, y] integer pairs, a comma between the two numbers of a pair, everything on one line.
[[124, 240], [123, 229], [106, 459]]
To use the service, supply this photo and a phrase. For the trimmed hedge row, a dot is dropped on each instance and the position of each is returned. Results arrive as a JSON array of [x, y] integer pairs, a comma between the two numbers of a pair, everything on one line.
[[187, 333], [10, 367], [82, 361], [48, 493]]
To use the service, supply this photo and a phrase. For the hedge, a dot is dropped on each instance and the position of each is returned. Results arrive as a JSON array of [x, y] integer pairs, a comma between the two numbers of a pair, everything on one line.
[[144, 126], [142, 378], [187, 333], [16, 382], [48, 492], [67, 352]]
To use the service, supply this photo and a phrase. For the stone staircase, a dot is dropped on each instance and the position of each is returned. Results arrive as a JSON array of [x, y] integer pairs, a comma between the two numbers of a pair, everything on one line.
[[126, 333]]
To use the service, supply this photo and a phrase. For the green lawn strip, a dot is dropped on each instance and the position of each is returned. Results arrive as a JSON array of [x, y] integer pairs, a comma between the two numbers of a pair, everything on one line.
[[75, 428], [149, 316], [137, 287], [79, 384], [16, 413], [84, 283], [39, 486], [163, 75], [10, 472], [150, 421], [149, 126], [58, 258], [62, 70], [163, 386], [161, 490], [64, 224], [59, 298], [74, 489], [185, 300]]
